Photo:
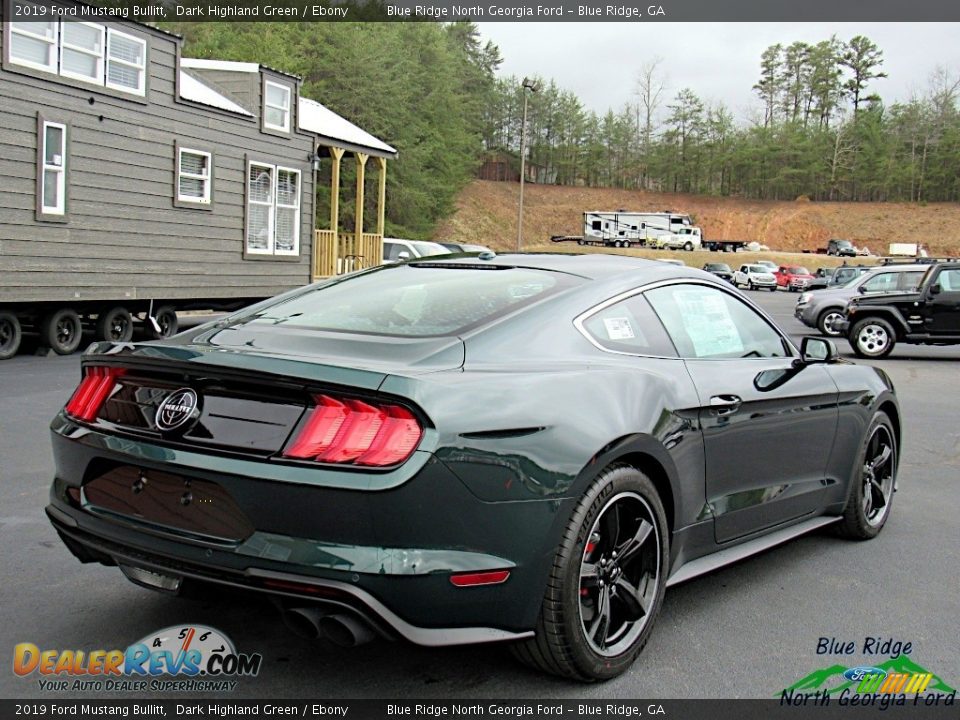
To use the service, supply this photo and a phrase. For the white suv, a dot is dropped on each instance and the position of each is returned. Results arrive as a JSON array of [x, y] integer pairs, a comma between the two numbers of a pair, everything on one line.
[[755, 277]]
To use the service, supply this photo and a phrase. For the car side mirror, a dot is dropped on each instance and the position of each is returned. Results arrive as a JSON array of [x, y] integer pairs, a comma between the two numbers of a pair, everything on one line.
[[817, 350], [935, 289], [862, 289], [403, 255]]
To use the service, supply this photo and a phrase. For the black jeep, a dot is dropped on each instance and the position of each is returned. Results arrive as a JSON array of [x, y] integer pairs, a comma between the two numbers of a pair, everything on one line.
[[928, 316]]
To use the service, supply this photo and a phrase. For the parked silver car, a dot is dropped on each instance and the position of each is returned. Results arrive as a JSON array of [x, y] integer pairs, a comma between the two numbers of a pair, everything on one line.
[[821, 308]]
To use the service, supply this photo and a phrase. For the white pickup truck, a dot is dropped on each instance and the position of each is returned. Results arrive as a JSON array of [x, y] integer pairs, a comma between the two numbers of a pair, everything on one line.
[[685, 238]]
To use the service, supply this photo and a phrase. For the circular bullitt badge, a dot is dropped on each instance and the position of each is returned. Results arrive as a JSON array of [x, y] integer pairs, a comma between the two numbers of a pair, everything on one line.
[[177, 409]]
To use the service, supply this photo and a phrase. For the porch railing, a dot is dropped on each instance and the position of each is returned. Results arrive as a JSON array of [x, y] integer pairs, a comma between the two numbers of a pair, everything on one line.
[[340, 253]]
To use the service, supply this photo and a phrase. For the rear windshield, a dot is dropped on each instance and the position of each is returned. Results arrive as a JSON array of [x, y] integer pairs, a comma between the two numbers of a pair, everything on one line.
[[416, 300], [428, 248]]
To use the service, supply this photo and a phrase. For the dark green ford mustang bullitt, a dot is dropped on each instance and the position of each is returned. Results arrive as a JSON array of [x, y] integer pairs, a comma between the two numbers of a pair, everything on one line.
[[524, 448]]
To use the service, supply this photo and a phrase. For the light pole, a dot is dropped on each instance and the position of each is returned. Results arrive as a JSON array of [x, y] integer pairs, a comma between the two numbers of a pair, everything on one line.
[[532, 86]]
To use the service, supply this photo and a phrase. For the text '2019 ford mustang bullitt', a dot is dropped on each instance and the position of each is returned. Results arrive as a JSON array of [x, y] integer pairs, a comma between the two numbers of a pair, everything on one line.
[[524, 448]]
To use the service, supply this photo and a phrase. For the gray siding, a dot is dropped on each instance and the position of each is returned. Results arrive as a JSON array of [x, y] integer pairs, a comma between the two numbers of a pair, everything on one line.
[[123, 236]]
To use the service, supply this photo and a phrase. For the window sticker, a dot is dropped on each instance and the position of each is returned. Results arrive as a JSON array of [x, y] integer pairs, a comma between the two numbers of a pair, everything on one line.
[[619, 328], [707, 321]]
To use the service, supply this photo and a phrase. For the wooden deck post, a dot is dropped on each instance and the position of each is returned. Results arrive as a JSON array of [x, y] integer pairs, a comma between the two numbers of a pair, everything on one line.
[[381, 194], [358, 228], [337, 155]]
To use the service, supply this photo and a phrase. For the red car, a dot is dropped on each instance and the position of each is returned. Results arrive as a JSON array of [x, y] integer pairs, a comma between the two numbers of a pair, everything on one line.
[[793, 277]]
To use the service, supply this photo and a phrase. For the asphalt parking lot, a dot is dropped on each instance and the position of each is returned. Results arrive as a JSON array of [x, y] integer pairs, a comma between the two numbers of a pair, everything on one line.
[[748, 630]]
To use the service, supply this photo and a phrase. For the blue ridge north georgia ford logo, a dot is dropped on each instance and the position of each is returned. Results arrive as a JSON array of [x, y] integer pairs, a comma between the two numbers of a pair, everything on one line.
[[176, 409]]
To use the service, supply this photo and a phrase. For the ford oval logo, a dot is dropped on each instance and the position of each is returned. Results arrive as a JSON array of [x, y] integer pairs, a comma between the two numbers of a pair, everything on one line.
[[859, 673], [177, 409]]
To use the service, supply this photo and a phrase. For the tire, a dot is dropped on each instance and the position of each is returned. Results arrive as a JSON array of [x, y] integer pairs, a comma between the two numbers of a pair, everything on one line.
[[620, 513], [872, 338], [773, 289], [10, 335], [750, 285], [874, 483], [688, 246], [62, 331], [581, 242], [826, 319], [115, 325], [166, 318]]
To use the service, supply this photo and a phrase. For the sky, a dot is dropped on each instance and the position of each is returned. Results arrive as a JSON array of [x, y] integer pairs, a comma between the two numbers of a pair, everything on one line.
[[718, 61]]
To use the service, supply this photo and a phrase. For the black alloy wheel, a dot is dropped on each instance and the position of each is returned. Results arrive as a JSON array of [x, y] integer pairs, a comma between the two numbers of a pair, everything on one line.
[[871, 495], [607, 582]]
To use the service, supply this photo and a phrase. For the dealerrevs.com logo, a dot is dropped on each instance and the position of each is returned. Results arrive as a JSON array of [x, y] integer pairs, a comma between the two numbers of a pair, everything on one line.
[[187, 658]]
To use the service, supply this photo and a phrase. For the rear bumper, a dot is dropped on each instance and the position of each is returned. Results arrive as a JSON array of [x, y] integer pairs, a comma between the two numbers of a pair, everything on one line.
[[295, 589], [386, 553]]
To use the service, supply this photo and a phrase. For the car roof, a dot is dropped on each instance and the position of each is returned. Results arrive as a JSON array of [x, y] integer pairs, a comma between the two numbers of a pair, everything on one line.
[[593, 266]]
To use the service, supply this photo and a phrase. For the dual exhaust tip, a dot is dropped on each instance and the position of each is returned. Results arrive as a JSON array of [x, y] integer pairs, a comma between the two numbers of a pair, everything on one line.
[[339, 628]]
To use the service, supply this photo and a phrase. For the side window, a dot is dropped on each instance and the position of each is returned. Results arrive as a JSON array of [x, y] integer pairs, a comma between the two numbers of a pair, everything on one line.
[[630, 326], [276, 106], [194, 178], [705, 322], [910, 281], [949, 281], [391, 251], [51, 170], [596, 224], [884, 282]]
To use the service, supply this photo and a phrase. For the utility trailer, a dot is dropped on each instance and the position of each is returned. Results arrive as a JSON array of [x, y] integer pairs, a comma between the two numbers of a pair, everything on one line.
[[725, 245], [622, 228]]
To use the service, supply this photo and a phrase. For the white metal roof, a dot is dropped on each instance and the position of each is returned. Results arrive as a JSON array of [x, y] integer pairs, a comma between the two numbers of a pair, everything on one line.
[[316, 118], [227, 65], [196, 91]]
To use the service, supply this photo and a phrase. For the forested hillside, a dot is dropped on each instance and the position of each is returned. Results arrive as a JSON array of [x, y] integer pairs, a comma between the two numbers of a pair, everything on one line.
[[819, 131]]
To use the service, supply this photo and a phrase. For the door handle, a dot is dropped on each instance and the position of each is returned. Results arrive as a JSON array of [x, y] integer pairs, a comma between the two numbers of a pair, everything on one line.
[[725, 404]]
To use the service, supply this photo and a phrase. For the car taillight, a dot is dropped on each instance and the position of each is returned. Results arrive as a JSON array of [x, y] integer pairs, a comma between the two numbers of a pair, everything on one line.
[[354, 431], [92, 392]]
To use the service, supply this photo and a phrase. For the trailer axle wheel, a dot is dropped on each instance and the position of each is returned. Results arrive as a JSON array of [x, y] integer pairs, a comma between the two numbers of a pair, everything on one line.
[[10, 335], [115, 325], [62, 331], [166, 318]]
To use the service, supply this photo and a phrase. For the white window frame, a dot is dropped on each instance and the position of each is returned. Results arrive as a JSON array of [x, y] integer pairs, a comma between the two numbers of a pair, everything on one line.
[[53, 45], [61, 170], [56, 46], [181, 173], [266, 104], [273, 205], [142, 68], [100, 74], [296, 206]]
